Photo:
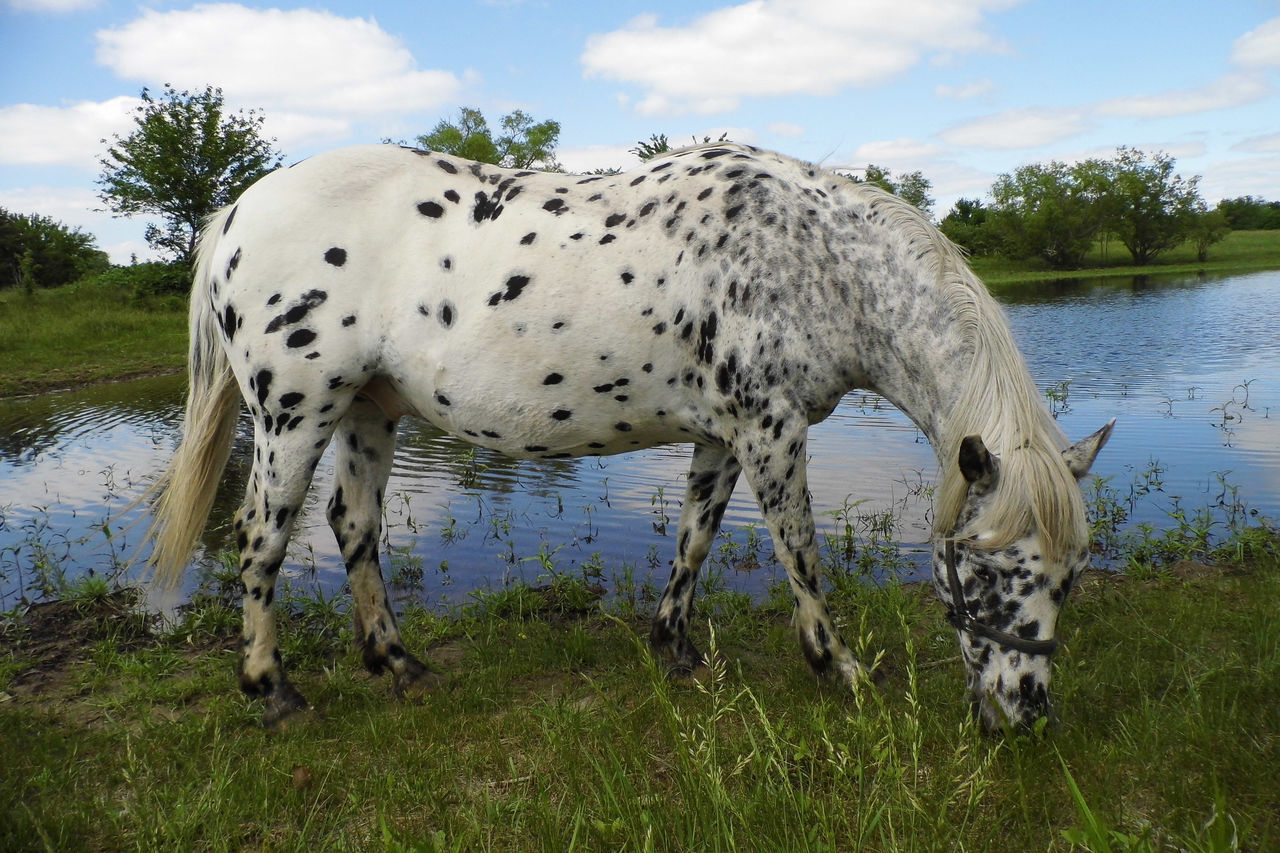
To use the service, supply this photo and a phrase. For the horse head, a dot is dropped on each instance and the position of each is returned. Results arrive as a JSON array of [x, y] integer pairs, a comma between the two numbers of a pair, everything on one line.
[[1003, 594]]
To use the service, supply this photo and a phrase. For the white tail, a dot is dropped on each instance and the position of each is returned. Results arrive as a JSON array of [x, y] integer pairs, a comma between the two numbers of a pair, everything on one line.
[[187, 487]]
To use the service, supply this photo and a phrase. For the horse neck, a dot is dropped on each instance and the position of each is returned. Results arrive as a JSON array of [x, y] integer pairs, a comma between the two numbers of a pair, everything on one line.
[[930, 338], [923, 354], [979, 383], [963, 376]]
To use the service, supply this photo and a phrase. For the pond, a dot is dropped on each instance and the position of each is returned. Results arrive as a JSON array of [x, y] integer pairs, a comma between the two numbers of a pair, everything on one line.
[[1190, 367]]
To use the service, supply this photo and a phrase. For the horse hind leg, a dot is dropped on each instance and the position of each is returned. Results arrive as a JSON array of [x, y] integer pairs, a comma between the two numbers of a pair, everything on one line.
[[284, 461], [365, 446], [712, 476], [776, 471]]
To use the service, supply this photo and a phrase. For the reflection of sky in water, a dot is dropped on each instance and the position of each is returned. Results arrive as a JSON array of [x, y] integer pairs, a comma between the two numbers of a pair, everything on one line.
[[1169, 361]]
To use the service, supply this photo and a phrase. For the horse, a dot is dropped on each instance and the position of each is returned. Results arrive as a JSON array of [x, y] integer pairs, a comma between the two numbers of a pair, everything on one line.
[[720, 296]]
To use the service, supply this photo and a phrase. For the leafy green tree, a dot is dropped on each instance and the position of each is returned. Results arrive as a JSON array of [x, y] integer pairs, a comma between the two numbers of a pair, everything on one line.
[[1247, 213], [1149, 208], [468, 137], [1051, 211], [522, 144], [11, 249], [969, 226], [1207, 227], [912, 186], [36, 251], [186, 158]]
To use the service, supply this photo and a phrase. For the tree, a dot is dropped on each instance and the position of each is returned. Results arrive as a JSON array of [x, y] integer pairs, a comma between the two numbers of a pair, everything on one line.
[[1052, 211], [655, 146], [1149, 208], [36, 251], [186, 159], [1247, 213], [1207, 227], [912, 186], [523, 144], [968, 225]]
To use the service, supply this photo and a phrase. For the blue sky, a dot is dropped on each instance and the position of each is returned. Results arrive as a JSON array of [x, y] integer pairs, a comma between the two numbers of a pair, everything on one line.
[[962, 90]]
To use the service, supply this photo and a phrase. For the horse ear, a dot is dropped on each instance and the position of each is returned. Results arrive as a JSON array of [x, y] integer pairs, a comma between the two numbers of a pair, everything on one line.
[[1079, 456], [978, 465]]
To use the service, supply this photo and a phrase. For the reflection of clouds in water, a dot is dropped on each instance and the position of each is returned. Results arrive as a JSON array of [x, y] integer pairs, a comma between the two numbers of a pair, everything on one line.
[[868, 451], [1163, 424]]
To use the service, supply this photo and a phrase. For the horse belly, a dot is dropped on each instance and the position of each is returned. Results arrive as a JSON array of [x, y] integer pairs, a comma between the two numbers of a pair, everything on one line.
[[544, 386]]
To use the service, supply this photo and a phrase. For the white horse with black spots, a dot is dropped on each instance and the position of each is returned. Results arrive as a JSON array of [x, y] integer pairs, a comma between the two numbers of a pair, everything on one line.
[[720, 296]]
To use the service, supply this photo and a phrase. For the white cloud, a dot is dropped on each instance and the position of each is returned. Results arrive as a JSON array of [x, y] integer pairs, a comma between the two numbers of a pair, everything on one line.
[[588, 158], [299, 60], [1260, 47], [896, 154], [295, 130], [785, 128], [966, 92], [75, 207], [1268, 144], [1230, 90], [56, 7], [1256, 176], [952, 180], [1184, 150], [1034, 126], [1019, 128], [34, 135], [783, 47]]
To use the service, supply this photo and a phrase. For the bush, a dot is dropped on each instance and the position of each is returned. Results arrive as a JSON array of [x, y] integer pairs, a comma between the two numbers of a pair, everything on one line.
[[150, 279]]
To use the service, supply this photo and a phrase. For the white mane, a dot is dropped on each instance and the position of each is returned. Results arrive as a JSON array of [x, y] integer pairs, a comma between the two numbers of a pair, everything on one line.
[[1000, 403]]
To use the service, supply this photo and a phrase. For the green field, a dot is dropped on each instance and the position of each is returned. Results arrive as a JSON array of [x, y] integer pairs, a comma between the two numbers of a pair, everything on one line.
[[555, 730], [94, 331], [1240, 251]]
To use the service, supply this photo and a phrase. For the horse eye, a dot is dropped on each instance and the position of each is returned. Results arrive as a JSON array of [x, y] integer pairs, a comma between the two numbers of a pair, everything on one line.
[[984, 573]]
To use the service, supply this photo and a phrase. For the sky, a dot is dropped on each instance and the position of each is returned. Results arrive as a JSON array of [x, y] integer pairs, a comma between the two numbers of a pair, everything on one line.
[[961, 90]]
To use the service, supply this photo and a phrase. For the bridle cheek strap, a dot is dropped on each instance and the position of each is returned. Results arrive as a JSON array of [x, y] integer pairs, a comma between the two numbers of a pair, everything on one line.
[[962, 619]]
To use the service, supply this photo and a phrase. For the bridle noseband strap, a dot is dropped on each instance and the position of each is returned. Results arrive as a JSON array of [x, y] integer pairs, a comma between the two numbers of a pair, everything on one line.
[[960, 617]]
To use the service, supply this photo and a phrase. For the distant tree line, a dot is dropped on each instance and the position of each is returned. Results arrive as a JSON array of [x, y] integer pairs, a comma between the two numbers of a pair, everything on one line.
[[1247, 213], [188, 156], [37, 252], [1057, 212]]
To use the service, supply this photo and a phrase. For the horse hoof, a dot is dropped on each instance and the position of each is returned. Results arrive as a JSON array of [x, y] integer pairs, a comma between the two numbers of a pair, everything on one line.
[[416, 681], [285, 709], [689, 671], [854, 675]]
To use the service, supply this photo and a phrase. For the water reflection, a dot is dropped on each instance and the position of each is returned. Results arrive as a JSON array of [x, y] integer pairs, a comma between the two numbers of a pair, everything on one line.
[[1190, 367]]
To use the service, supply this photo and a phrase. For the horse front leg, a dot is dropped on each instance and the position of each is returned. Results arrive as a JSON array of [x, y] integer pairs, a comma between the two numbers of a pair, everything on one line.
[[365, 447], [712, 476], [775, 468]]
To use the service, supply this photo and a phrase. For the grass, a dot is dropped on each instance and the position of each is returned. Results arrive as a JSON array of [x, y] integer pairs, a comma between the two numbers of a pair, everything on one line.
[[556, 730], [1240, 251], [93, 331]]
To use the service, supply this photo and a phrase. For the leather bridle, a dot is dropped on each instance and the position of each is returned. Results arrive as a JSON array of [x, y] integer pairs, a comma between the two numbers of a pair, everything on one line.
[[962, 619]]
